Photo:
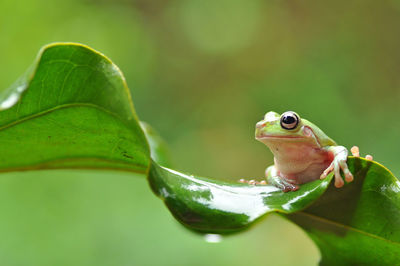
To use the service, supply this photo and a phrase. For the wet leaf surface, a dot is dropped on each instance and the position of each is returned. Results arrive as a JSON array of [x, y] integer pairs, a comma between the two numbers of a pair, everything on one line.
[[360, 223], [74, 110], [214, 206]]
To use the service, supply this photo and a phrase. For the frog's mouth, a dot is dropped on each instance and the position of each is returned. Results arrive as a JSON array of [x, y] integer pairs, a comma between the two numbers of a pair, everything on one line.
[[261, 137], [307, 136]]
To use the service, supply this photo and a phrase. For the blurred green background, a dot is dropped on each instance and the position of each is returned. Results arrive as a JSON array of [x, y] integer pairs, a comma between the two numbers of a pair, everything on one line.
[[202, 73]]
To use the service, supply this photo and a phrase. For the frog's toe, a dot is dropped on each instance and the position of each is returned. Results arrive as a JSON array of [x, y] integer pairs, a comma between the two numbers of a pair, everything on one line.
[[336, 166], [347, 174], [286, 186], [355, 151], [327, 171], [289, 187], [338, 178], [250, 182], [342, 165], [339, 182], [282, 184]]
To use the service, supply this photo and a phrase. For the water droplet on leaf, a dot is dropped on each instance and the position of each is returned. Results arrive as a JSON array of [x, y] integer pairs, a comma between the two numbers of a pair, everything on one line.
[[212, 238]]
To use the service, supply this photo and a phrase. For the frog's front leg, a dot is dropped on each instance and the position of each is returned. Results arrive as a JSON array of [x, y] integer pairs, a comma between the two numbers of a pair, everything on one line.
[[273, 178], [338, 163]]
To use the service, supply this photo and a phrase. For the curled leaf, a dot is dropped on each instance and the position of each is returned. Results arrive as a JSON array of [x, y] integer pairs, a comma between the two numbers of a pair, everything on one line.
[[360, 223], [214, 206], [73, 110]]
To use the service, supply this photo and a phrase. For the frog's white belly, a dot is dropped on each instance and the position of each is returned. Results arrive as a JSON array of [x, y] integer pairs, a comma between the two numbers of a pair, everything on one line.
[[301, 163]]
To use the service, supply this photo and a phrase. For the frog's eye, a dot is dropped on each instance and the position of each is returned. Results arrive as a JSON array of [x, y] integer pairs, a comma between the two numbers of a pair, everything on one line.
[[289, 120]]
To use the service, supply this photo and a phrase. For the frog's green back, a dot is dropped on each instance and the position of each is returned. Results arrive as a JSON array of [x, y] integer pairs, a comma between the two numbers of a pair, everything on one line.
[[321, 136]]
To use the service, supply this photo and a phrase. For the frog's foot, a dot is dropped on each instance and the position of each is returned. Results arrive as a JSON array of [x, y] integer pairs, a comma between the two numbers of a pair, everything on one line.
[[252, 182], [281, 183], [339, 163], [356, 152]]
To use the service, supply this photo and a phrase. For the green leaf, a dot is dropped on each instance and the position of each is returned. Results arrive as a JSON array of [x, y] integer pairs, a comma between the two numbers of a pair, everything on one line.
[[360, 223], [159, 149], [74, 110], [354, 225], [215, 206]]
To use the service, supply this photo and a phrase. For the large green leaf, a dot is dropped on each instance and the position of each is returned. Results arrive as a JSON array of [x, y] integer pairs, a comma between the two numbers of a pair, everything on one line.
[[356, 224], [74, 110], [360, 223], [214, 206]]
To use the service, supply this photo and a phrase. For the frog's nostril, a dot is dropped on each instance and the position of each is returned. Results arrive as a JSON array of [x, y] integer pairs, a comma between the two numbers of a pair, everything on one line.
[[260, 124]]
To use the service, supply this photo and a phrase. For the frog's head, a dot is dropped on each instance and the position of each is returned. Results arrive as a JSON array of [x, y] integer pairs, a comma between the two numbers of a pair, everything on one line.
[[287, 127]]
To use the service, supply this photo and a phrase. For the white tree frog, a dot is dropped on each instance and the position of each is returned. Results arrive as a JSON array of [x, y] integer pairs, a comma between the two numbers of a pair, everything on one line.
[[302, 152]]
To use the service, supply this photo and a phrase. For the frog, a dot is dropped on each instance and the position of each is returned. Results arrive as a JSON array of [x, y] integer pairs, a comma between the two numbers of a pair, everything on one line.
[[302, 152]]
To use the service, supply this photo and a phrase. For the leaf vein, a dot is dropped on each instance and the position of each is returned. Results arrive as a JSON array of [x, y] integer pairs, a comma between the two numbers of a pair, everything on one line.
[[333, 223]]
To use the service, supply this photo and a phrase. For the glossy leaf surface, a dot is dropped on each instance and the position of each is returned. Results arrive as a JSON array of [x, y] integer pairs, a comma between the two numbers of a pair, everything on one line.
[[214, 206], [74, 110], [353, 225], [158, 148], [360, 223]]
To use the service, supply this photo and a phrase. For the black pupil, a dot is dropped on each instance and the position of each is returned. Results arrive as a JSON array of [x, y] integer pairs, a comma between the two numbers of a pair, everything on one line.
[[289, 119]]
